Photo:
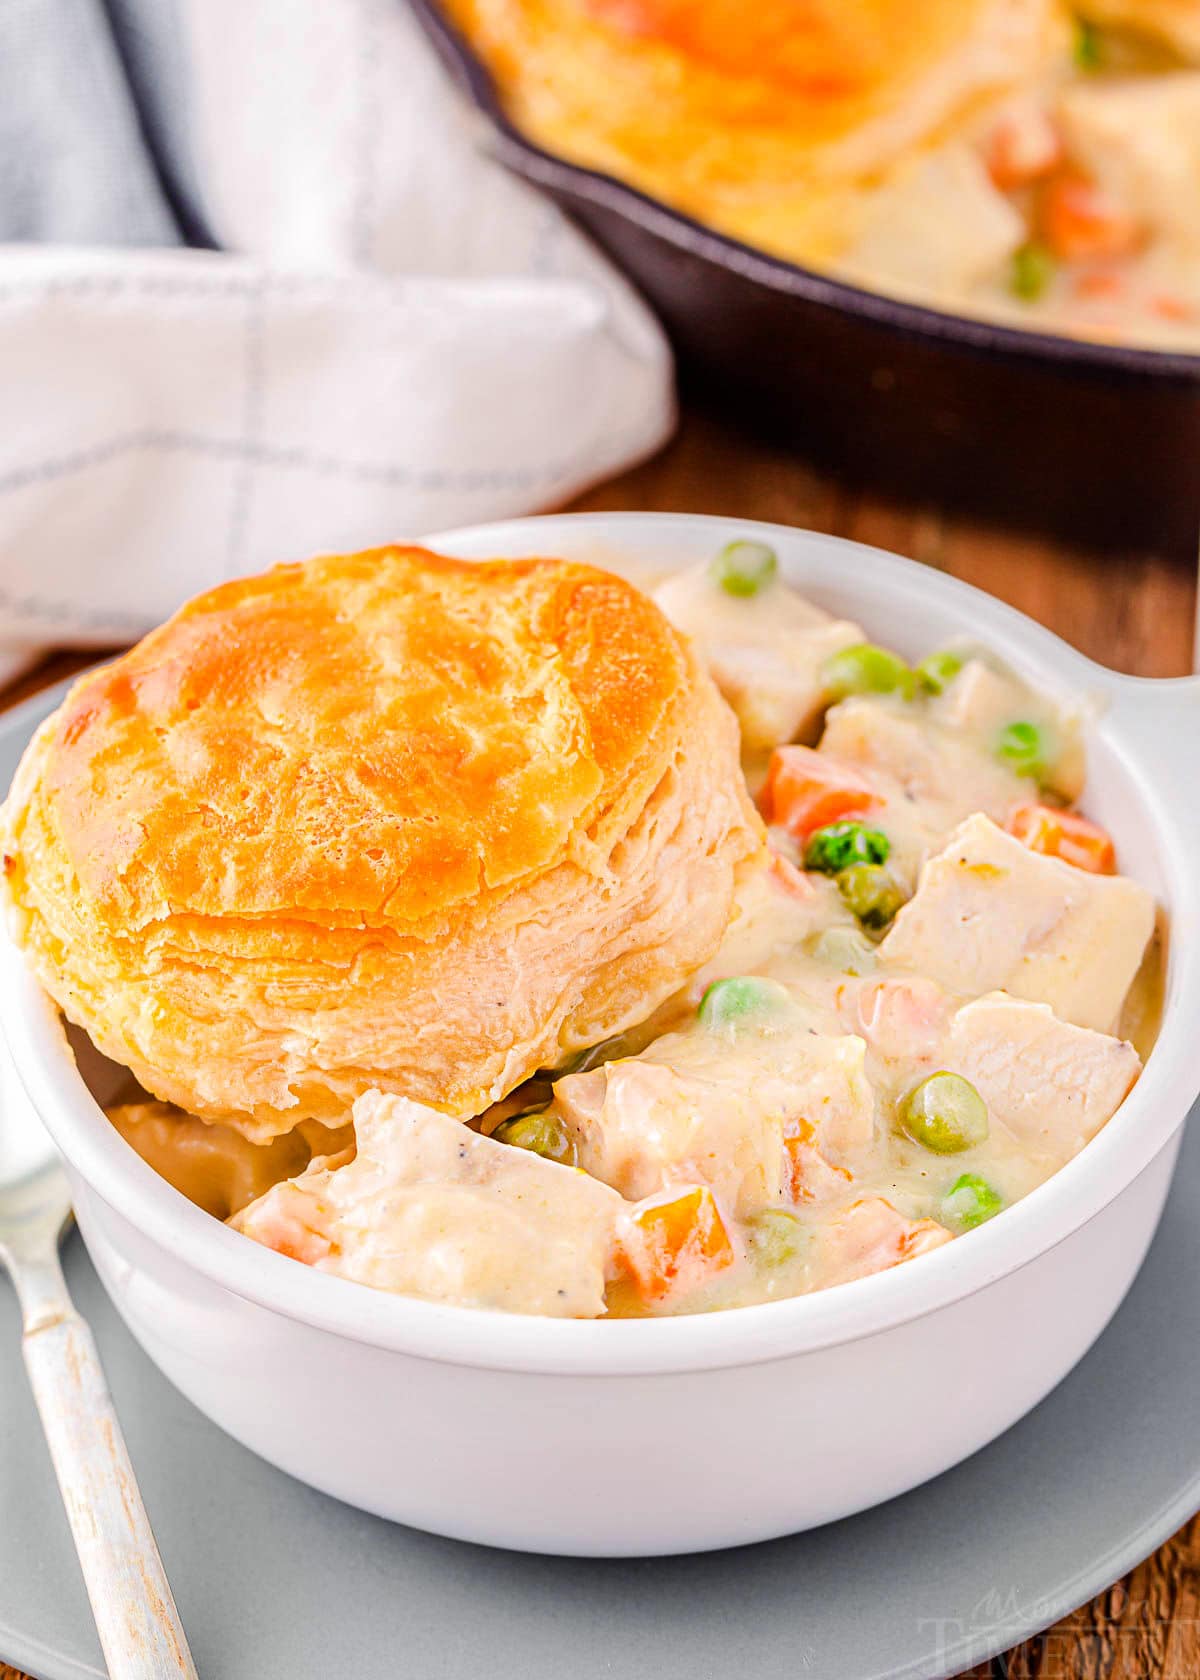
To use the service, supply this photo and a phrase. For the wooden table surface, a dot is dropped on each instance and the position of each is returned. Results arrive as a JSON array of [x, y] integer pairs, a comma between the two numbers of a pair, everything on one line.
[[1134, 611]]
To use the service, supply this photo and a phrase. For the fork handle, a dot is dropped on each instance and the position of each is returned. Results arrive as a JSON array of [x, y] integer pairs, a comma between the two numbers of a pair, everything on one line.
[[139, 1627]]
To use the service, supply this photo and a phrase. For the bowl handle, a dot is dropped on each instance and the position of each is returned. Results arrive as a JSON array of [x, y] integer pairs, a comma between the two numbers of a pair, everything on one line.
[[1160, 717]]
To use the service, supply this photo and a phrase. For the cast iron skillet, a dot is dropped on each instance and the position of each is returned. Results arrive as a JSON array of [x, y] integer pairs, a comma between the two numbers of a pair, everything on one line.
[[1093, 441]]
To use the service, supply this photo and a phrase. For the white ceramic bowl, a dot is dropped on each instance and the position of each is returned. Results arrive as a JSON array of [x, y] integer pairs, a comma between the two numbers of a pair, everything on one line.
[[644, 1436]]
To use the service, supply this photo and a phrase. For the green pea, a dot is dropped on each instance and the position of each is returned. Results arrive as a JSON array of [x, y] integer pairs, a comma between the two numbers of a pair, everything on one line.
[[726, 1003], [845, 949], [871, 892], [1087, 47], [938, 670], [945, 1113], [775, 1237], [840, 844], [1032, 271], [1024, 746], [969, 1201], [541, 1132], [865, 669], [744, 568]]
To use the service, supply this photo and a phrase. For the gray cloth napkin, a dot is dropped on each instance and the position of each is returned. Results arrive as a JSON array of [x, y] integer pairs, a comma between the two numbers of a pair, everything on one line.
[[76, 165], [386, 335]]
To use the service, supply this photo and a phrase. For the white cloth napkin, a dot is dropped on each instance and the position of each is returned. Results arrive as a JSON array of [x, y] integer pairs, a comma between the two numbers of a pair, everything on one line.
[[393, 336]]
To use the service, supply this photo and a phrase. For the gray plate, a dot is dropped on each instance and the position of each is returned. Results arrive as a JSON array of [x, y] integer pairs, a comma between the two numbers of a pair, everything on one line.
[[276, 1582]]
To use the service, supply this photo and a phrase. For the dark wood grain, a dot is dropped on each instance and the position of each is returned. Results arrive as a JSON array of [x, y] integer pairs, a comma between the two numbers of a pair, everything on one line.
[[1134, 611], [53, 668]]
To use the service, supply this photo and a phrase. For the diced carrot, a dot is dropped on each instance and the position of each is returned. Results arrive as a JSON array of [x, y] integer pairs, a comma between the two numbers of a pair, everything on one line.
[[790, 880], [1062, 834], [1169, 308], [1023, 147], [871, 1236], [900, 1017], [280, 1220], [1079, 220], [811, 1177], [1100, 283], [806, 790], [923, 1235], [679, 1239], [306, 1245]]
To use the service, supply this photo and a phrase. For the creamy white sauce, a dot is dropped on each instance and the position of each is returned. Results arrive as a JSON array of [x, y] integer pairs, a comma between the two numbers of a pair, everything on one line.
[[1016, 971]]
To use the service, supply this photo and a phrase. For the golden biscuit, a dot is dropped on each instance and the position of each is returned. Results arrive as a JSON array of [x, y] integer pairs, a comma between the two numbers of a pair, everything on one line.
[[769, 121], [386, 820]]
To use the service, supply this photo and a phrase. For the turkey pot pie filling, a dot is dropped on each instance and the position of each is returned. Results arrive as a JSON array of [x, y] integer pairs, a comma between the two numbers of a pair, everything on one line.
[[1024, 160], [934, 989]]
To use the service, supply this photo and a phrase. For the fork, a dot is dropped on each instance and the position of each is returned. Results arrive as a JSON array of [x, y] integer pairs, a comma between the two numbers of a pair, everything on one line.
[[139, 1627]]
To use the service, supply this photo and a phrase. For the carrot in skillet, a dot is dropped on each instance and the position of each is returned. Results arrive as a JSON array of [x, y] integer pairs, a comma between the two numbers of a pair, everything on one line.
[[1023, 147], [1079, 220]]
